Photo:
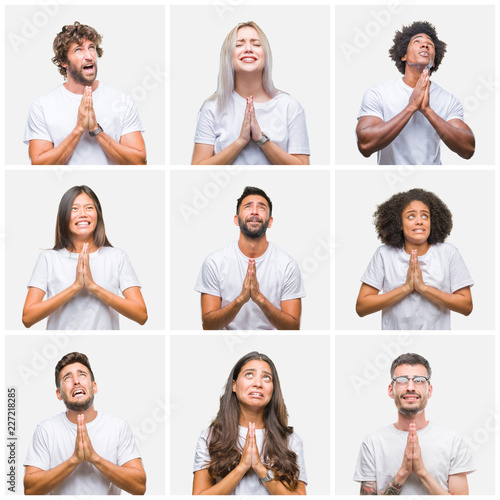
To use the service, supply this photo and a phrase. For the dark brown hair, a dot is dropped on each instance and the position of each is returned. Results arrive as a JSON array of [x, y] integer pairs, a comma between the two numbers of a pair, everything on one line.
[[69, 359], [64, 238], [250, 190], [411, 359], [73, 33], [224, 449]]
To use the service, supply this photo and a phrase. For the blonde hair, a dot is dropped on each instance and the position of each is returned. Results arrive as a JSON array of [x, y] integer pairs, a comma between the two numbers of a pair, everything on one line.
[[225, 81]]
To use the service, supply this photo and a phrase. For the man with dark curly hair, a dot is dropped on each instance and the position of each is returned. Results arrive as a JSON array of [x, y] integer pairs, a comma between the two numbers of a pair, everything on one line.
[[415, 278], [83, 121], [413, 456], [406, 119]]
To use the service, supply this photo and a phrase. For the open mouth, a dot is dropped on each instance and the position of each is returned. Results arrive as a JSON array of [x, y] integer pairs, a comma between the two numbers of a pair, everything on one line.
[[83, 223], [78, 392], [248, 59], [258, 395]]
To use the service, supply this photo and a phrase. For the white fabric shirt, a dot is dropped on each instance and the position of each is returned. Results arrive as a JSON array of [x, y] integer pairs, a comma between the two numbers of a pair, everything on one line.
[[54, 442], [224, 271], [418, 143], [55, 271], [444, 453], [282, 119], [442, 267], [53, 116], [250, 484]]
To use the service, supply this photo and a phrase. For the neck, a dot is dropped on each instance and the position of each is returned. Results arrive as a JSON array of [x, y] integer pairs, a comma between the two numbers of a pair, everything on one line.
[[404, 421], [78, 245], [250, 85], [253, 248], [89, 415], [251, 415], [412, 74], [78, 88], [421, 249]]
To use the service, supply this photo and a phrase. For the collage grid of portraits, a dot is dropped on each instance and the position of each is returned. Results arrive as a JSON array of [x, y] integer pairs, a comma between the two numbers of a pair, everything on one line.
[[165, 377]]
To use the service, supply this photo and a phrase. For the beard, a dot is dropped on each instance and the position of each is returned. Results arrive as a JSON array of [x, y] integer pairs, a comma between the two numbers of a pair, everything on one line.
[[79, 76], [79, 406], [253, 233], [411, 410]]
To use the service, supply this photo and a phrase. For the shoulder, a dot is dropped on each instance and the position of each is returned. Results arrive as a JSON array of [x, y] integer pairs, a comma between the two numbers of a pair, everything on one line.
[[386, 251], [384, 88], [445, 249], [276, 252], [435, 88], [210, 105], [284, 99], [49, 97], [227, 252], [105, 89], [113, 421], [378, 435], [55, 422], [444, 432], [295, 440]]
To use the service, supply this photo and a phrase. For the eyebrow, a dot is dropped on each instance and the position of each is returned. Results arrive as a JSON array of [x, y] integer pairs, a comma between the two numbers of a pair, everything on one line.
[[254, 370], [251, 39], [77, 371], [258, 203], [416, 37], [410, 211]]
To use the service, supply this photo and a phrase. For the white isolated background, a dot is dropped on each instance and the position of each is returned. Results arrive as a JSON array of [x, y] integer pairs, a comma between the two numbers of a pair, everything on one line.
[[364, 35], [133, 205], [133, 62], [124, 368], [202, 209], [299, 36], [198, 379], [470, 197], [463, 377]]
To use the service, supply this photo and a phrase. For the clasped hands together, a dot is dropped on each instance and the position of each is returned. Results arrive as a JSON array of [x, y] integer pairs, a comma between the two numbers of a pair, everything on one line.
[[83, 274], [86, 120], [250, 128], [419, 98], [414, 280], [83, 446], [412, 459], [250, 457], [250, 288]]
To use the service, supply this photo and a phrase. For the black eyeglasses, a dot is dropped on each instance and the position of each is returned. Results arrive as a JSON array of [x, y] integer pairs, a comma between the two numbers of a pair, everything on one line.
[[403, 380]]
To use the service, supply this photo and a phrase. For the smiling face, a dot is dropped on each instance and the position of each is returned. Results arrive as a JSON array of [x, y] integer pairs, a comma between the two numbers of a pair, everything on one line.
[[410, 399], [254, 385], [248, 53], [420, 51], [416, 223], [81, 62], [253, 216], [76, 388], [83, 217]]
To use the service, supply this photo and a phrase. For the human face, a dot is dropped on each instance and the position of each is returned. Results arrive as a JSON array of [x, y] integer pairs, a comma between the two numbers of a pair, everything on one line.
[[410, 399], [76, 388], [254, 385], [83, 217], [416, 221], [82, 62], [253, 216], [248, 53], [420, 51]]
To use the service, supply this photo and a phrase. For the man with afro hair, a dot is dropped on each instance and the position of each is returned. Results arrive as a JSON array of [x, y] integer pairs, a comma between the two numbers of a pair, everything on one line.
[[405, 120]]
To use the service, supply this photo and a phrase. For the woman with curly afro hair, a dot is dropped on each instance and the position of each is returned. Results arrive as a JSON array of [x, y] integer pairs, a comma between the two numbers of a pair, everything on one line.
[[415, 278], [249, 448]]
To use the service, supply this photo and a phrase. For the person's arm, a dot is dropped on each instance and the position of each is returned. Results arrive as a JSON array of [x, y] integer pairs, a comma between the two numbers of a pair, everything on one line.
[[214, 317], [40, 482], [370, 488], [288, 318]]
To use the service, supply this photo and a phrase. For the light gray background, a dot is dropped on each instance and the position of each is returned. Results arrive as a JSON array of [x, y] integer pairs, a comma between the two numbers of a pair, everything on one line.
[[130, 376], [463, 71], [301, 65], [470, 197], [463, 375], [301, 208], [133, 207], [133, 61], [199, 369]]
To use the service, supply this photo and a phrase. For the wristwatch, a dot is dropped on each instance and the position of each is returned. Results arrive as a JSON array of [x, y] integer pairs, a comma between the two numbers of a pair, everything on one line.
[[98, 130], [268, 477], [262, 140]]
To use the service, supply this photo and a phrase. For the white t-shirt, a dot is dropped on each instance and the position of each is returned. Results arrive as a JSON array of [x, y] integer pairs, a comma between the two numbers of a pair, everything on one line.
[[224, 271], [444, 453], [55, 271], [53, 116], [442, 267], [54, 442], [418, 143], [282, 119], [250, 484]]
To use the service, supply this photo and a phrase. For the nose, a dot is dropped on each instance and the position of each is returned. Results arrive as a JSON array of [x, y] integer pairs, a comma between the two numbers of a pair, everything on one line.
[[411, 384]]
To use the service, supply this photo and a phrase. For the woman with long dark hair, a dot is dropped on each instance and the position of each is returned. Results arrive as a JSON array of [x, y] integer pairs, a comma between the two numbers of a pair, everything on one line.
[[248, 121], [415, 278], [249, 449], [83, 276]]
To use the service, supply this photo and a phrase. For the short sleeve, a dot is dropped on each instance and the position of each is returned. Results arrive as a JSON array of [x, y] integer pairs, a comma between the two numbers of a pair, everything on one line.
[[459, 274], [293, 286], [201, 457], [298, 139], [461, 460], [371, 105], [131, 120], [128, 278], [455, 110], [365, 465], [35, 125], [374, 274], [39, 450], [127, 447], [39, 277], [205, 128], [208, 279], [297, 446]]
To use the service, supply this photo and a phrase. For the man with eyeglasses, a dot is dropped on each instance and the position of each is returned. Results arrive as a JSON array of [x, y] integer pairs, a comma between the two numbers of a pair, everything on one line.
[[413, 456]]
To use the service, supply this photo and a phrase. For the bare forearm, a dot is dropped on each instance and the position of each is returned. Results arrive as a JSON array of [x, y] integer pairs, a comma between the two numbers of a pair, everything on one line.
[[372, 303], [280, 157], [224, 487], [431, 485], [129, 308], [42, 482], [459, 140], [129, 479], [119, 153], [452, 301], [59, 155], [279, 319], [275, 487], [225, 157], [220, 318], [393, 488]]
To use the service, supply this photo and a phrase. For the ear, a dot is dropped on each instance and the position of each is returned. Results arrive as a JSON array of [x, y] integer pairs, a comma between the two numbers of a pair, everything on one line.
[[58, 394], [429, 395], [403, 58], [95, 387], [236, 222], [390, 391], [234, 385], [270, 222]]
